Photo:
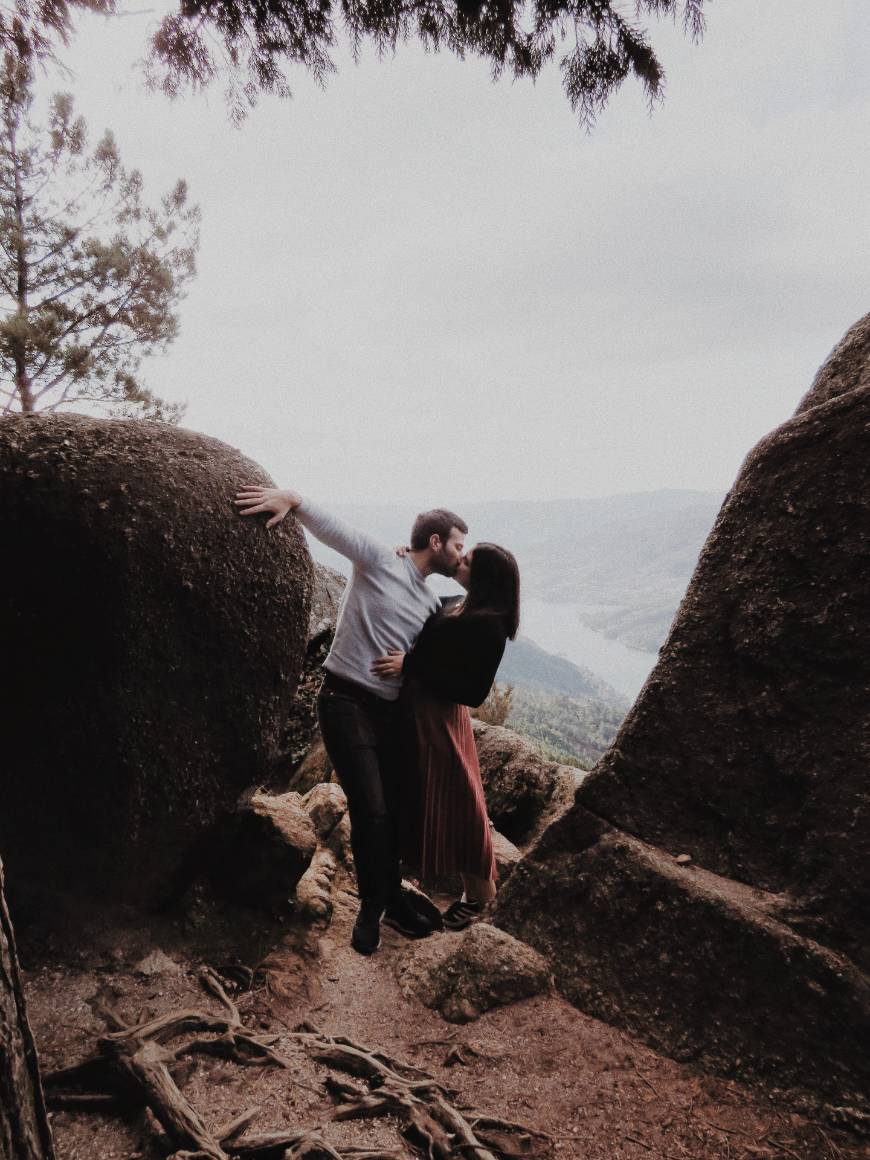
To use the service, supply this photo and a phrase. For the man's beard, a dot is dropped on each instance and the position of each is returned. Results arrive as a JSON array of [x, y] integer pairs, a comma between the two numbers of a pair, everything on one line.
[[444, 566]]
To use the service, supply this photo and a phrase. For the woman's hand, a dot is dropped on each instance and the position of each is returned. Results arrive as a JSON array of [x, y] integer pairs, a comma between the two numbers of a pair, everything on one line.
[[390, 665], [402, 551]]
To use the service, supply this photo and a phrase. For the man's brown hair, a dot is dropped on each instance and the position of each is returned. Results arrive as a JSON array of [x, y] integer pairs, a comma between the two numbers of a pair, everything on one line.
[[437, 522]]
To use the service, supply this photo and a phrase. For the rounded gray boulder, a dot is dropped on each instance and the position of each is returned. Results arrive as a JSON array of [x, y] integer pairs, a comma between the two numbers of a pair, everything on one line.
[[152, 640]]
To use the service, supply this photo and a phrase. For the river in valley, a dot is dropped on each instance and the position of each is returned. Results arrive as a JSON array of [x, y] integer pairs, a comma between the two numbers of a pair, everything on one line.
[[558, 629]]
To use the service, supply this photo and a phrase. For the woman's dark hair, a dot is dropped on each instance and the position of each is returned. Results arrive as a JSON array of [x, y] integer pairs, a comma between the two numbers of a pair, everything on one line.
[[494, 585]]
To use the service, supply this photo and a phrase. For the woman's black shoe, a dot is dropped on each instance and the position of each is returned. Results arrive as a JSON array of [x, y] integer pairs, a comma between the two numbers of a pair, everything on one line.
[[366, 935], [461, 914]]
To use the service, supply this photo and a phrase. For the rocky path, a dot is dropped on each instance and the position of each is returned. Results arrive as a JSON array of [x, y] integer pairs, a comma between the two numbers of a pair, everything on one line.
[[597, 1093]]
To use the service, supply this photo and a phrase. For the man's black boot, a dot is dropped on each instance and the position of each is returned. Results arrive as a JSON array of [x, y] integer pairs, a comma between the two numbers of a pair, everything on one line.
[[402, 916], [367, 929]]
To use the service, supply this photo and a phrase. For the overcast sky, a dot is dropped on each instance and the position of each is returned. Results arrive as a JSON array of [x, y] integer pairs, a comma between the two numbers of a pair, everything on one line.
[[416, 284]]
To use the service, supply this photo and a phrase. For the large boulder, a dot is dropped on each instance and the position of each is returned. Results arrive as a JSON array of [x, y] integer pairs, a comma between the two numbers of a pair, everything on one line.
[[710, 887], [749, 746], [152, 642]]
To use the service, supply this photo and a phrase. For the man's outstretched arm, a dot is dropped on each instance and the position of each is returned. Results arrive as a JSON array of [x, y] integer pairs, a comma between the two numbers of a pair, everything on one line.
[[356, 545]]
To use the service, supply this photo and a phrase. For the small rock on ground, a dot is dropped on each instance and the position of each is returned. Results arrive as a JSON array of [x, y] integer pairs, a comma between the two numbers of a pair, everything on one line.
[[157, 962], [463, 975]]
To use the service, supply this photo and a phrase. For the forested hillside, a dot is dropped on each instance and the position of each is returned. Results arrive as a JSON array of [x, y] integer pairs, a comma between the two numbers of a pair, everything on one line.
[[570, 714], [566, 729]]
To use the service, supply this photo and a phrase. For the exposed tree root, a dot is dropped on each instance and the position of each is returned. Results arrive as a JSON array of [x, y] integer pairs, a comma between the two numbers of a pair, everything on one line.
[[430, 1121], [137, 1066]]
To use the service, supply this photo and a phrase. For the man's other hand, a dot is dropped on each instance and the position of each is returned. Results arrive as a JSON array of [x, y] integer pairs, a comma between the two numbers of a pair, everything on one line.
[[253, 499], [389, 665]]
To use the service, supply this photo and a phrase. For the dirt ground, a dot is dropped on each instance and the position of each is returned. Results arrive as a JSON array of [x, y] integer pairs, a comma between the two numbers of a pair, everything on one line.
[[596, 1092]]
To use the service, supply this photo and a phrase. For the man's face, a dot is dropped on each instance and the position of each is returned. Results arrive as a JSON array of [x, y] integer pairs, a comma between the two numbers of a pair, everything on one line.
[[447, 554]]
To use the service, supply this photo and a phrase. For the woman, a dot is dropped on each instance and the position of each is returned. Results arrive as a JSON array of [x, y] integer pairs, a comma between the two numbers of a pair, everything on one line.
[[453, 665]]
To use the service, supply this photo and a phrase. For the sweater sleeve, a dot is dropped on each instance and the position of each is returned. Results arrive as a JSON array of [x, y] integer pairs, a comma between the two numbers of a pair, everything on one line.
[[457, 658], [358, 546]]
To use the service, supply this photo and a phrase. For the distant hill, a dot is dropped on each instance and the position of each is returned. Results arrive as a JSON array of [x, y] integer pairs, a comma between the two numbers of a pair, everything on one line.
[[624, 561], [528, 666]]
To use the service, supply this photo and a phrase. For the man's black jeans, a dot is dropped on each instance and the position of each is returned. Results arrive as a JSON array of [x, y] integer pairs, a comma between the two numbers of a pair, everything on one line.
[[364, 739]]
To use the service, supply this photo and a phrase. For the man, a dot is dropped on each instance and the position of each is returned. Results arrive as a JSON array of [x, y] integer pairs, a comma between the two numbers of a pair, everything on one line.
[[384, 606]]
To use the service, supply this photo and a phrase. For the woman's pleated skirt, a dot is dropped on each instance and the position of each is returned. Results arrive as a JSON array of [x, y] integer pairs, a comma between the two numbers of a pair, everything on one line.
[[447, 827]]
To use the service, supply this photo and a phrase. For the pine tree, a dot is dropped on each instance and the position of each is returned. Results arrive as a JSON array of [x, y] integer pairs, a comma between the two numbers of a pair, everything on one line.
[[90, 276], [250, 42]]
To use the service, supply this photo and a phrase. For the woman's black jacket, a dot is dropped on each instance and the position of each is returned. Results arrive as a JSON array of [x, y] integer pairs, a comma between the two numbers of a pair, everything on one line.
[[457, 657]]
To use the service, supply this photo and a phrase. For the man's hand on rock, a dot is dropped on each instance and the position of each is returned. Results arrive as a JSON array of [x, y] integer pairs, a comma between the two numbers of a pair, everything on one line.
[[253, 499]]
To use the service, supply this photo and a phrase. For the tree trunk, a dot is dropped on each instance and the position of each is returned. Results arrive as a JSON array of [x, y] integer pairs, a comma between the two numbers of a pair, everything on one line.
[[24, 1130]]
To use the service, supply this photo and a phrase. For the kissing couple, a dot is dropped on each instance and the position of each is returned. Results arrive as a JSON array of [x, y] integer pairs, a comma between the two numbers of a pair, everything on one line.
[[403, 669]]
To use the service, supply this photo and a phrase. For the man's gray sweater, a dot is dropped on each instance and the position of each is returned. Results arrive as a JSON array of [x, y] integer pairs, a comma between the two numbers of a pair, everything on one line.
[[384, 606]]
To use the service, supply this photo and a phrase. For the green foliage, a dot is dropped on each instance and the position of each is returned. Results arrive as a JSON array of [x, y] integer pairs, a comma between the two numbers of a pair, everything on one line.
[[497, 706], [90, 275], [251, 42], [571, 730]]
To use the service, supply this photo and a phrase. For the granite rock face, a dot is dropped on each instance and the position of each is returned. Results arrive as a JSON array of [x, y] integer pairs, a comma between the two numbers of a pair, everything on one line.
[[507, 855], [301, 732], [263, 850], [326, 595], [846, 368], [314, 768], [152, 641], [749, 746], [698, 965], [326, 805]]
